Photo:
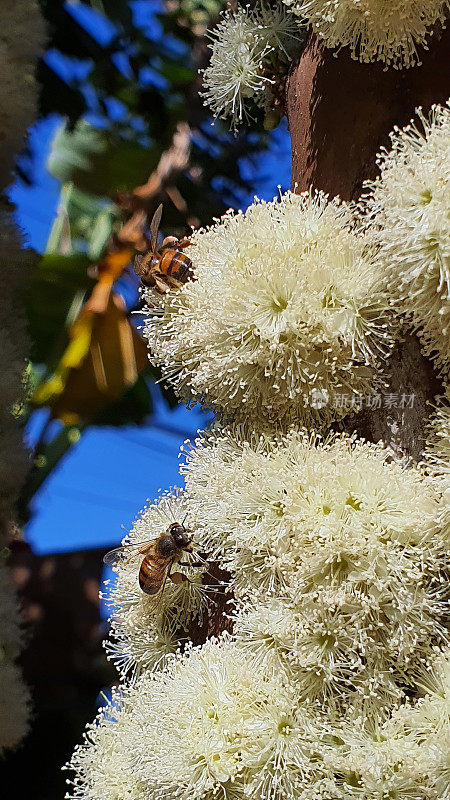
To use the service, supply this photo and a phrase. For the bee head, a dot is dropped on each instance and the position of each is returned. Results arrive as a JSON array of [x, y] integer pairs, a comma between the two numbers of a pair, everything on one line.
[[180, 536]]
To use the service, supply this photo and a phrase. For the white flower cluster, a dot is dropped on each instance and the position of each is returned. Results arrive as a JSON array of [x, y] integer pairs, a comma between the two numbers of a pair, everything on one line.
[[212, 725], [408, 208], [337, 556], [207, 727], [335, 683], [142, 636], [407, 757], [244, 45], [14, 698], [335, 552], [437, 451], [287, 302], [375, 30]]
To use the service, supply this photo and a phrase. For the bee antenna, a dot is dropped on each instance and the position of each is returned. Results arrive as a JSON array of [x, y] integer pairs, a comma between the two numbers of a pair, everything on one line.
[[184, 519]]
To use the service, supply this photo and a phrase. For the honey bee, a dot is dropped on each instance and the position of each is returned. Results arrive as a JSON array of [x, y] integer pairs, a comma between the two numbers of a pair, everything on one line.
[[160, 555], [167, 267]]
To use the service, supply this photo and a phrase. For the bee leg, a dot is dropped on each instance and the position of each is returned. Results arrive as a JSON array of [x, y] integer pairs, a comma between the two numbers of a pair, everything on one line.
[[201, 565], [160, 285], [178, 577], [138, 264]]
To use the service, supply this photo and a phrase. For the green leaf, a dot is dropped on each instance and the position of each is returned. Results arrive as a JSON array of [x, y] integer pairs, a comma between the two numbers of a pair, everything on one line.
[[100, 233], [99, 162], [45, 460], [116, 10], [70, 267], [57, 281], [131, 409], [177, 73]]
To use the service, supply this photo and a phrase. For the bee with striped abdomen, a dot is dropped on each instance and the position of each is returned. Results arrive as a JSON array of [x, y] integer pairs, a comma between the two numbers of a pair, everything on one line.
[[160, 555], [167, 267]]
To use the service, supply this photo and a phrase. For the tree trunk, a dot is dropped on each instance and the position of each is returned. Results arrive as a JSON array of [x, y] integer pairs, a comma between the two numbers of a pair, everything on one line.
[[20, 47], [22, 32], [340, 113]]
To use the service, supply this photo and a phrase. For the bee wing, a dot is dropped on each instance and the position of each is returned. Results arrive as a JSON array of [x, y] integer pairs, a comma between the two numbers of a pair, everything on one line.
[[154, 227], [113, 556]]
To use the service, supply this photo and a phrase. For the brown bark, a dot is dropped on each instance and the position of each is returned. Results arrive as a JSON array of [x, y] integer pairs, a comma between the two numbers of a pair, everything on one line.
[[402, 428], [340, 113]]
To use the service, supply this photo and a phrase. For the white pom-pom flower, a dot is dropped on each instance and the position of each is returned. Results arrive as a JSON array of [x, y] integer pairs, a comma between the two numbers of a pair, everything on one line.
[[406, 756], [335, 552], [145, 634], [408, 208], [420, 733], [276, 509], [239, 69], [375, 30], [285, 315], [347, 645], [277, 25], [236, 71], [437, 450], [210, 725]]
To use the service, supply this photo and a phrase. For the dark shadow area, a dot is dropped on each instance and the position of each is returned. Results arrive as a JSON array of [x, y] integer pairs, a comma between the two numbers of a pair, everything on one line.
[[63, 664]]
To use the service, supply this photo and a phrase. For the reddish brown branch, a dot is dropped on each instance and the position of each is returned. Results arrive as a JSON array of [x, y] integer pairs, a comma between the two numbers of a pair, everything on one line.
[[142, 201], [341, 111]]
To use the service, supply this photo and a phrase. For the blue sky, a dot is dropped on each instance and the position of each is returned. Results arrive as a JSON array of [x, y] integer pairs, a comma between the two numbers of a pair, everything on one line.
[[99, 487], [107, 478]]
